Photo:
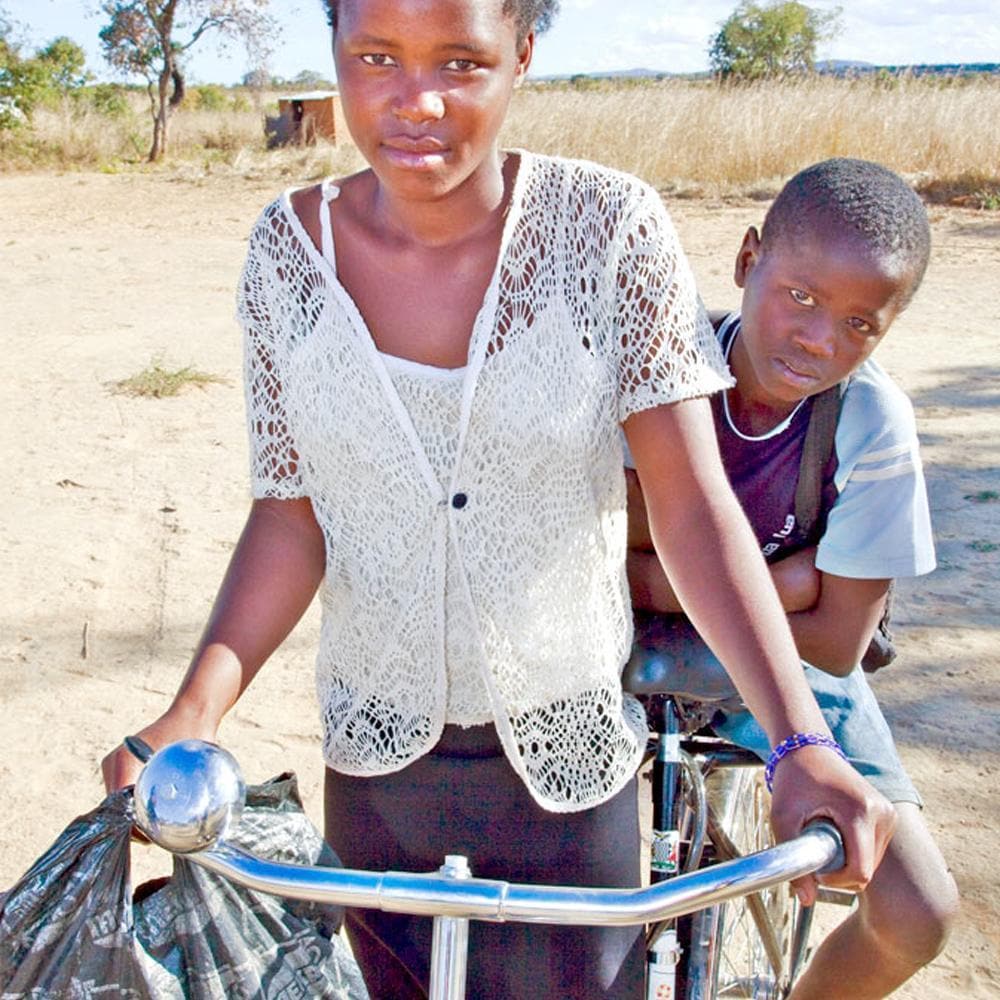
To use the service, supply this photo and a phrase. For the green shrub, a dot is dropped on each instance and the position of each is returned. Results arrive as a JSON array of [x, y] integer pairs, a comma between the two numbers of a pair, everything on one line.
[[157, 381], [107, 99], [209, 97], [27, 83]]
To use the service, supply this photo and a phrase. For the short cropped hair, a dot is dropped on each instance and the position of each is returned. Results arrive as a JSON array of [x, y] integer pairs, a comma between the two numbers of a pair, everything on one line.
[[861, 199], [529, 15]]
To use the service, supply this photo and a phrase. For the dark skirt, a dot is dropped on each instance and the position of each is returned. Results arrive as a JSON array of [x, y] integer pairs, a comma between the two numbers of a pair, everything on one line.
[[464, 798]]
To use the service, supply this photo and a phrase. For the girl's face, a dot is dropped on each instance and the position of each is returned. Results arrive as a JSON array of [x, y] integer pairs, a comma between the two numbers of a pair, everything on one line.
[[425, 86]]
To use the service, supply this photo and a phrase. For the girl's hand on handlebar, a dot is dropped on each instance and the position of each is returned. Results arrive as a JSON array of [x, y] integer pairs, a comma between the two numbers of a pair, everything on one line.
[[814, 783], [120, 768]]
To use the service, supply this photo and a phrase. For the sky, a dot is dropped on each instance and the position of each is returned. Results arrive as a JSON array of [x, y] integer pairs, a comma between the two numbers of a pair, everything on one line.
[[588, 36]]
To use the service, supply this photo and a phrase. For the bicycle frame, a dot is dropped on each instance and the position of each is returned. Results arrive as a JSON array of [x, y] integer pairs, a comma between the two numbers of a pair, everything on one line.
[[452, 896]]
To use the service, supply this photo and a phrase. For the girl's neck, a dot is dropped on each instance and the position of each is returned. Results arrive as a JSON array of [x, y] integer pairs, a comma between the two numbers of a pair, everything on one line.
[[477, 206]]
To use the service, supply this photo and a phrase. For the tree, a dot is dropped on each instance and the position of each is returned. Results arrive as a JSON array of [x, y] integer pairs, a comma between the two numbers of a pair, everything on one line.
[[311, 79], [142, 39], [66, 64], [27, 81], [257, 78], [771, 39], [8, 45], [10, 113]]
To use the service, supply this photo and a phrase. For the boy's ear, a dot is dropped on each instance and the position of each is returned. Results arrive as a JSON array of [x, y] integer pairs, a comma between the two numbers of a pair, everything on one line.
[[748, 256]]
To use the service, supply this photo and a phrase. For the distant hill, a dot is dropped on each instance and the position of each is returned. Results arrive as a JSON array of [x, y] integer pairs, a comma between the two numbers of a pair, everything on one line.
[[632, 73], [614, 74], [846, 67], [843, 65], [833, 67]]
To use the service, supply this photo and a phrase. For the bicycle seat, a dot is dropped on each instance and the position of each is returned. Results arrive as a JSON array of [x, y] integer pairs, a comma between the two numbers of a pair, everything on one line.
[[669, 657]]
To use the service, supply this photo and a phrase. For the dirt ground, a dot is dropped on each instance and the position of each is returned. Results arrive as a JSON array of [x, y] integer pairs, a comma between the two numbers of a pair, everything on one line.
[[119, 513]]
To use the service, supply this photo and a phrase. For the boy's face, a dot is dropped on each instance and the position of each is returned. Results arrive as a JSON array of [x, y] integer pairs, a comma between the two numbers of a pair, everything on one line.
[[813, 310]]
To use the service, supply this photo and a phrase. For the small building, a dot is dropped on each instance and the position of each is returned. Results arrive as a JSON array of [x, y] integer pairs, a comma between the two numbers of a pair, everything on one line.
[[303, 117]]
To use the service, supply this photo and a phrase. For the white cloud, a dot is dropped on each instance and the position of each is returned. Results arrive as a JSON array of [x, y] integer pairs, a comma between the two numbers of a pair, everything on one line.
[[931, 31]]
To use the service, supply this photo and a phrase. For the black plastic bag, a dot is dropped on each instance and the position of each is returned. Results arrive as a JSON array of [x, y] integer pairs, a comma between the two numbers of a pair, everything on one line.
[[70, 928]]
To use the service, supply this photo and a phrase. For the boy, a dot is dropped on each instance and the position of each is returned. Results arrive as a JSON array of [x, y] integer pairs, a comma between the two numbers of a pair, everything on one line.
[[842, 251]]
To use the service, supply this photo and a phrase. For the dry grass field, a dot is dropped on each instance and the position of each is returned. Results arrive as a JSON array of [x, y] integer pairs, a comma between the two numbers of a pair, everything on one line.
[[689, 138], [699, 139]]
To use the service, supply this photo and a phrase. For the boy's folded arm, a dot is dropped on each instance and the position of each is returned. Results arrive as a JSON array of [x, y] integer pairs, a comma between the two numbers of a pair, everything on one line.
[[797, 580], [832, 618], [648, 584], [639, 539], [835, 632]]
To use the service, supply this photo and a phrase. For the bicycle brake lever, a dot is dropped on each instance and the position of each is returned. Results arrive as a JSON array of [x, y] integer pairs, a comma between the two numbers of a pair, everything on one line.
[[138, 748]]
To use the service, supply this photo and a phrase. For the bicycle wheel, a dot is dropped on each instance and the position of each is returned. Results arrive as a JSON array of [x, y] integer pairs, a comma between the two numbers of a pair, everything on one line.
[[753, 935]]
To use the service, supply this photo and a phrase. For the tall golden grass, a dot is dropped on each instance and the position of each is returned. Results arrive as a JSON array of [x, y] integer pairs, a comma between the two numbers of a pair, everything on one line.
[[701, 138], [686, 137]]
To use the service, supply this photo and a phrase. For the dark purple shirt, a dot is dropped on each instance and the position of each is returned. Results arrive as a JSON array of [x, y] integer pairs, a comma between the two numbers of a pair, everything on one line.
[[764, 471]]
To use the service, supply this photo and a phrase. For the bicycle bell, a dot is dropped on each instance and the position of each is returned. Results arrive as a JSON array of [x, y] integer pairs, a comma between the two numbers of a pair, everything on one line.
[[189, 795]]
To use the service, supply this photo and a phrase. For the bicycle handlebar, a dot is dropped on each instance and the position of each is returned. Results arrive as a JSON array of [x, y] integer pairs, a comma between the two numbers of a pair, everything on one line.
[[190, 793], [453, 892]]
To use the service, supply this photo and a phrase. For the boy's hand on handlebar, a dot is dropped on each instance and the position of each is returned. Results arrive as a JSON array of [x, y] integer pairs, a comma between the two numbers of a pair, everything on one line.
[[814, 783]]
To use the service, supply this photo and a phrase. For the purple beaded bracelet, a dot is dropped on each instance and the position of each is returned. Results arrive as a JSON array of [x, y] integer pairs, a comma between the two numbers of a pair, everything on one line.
[[796, 742]]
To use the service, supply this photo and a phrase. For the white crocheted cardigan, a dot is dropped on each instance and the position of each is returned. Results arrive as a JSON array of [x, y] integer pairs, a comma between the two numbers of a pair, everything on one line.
[[591, 315]]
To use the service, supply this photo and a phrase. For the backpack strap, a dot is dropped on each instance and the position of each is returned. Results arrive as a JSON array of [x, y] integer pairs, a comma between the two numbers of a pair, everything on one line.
[[816, 451]]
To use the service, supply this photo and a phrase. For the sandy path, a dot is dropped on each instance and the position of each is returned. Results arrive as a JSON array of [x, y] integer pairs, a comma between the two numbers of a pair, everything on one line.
[[120, 514]]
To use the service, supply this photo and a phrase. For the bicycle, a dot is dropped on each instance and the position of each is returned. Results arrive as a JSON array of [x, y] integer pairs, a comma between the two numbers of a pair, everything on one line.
[[189, 795], [710, 805]]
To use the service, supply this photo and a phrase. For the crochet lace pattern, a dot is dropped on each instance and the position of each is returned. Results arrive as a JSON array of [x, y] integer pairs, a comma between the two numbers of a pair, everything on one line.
[[591, 316]]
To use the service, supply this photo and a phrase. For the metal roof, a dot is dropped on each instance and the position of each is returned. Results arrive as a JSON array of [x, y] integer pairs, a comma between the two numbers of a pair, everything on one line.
[[311, 95]]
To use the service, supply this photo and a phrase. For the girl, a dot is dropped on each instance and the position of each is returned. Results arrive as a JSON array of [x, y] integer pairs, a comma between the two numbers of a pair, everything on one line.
[[440, 352]]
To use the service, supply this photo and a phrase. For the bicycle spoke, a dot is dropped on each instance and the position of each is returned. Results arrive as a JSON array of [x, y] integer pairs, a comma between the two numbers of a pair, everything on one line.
[[755, 933]]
